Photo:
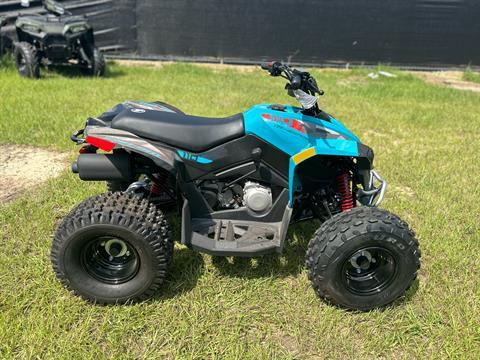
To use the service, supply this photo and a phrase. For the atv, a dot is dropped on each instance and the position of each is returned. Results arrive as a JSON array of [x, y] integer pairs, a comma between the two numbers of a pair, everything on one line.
[[238, 183], [57, 38]]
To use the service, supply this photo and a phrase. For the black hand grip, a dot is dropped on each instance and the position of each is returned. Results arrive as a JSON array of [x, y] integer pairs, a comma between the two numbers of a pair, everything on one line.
[[273, 67], [266, 66]]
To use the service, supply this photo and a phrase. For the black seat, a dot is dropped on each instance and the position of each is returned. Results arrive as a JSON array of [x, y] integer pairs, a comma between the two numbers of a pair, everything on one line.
[[191, 133]]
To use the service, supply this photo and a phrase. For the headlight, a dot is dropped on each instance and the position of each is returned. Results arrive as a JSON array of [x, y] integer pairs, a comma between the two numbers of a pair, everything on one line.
[[76, 28], [30, 28]]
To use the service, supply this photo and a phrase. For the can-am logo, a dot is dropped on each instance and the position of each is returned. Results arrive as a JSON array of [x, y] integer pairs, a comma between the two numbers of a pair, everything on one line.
[[285, 121], [138, 111]]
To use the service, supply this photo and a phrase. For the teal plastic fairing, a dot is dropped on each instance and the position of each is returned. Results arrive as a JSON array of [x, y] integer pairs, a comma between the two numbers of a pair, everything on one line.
[[300, 136]]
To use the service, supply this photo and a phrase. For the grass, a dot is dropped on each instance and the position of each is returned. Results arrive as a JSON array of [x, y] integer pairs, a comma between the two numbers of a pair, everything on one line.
[[470, 75], [426, 143]]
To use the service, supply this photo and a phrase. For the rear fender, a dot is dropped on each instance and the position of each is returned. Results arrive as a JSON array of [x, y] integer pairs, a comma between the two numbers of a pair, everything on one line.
[[108, 139]]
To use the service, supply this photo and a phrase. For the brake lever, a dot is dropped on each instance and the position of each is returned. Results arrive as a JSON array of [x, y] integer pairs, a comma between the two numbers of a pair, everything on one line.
[[313, 85], [289, 89]]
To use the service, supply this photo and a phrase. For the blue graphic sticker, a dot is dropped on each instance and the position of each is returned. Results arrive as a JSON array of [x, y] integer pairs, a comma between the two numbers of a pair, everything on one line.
[[192, 157]]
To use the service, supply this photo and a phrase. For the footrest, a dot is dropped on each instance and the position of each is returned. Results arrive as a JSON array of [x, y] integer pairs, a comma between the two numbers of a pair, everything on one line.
[[219, 234], [225, 237]]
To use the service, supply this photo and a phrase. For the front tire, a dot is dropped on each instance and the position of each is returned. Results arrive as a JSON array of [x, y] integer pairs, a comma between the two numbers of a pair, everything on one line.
[[115, 248], [26, 60], [363, 259], [98, 66]]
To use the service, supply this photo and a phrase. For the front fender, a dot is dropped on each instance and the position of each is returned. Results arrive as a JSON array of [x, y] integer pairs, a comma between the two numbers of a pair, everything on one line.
[[329, 147]]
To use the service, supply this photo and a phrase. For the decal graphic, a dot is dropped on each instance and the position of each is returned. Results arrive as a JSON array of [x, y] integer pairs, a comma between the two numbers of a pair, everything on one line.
[[192, 157], [134, 106], [138, 111], [305, 128], [291, 123], [136, 144]]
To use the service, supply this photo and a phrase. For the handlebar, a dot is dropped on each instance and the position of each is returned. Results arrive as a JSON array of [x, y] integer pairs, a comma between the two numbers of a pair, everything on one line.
[[275, 68], [297, 79], [266, 66]]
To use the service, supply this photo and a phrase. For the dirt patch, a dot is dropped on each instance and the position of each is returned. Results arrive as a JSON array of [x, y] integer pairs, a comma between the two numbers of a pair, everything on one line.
[[213, 66], [404, 191], [352, 81], [22, 167], [143, 63], [451, 79]]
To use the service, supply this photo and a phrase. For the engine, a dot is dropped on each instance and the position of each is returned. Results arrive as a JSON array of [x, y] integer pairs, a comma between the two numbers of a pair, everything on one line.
[[252, 195], [256, 197]]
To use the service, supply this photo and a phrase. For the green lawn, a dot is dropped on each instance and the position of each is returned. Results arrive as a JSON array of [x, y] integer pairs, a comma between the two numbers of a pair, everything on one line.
[[427, 146], [471, 75]]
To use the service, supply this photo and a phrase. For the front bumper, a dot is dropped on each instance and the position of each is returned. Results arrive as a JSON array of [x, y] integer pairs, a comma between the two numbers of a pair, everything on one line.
[[374, 193]]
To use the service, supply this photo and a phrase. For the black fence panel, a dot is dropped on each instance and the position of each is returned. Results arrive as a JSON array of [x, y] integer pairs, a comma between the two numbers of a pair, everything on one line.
[[433, 33], [408, 32]]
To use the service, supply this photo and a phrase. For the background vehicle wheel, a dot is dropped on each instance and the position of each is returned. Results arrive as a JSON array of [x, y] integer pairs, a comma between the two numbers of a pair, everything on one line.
[[98, 64], [112, 248], [6, 45], [26, 60], [363, 259]]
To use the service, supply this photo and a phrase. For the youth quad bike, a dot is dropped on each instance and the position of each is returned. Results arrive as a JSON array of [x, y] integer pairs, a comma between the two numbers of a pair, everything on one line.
[[57, 38], [238, 183]]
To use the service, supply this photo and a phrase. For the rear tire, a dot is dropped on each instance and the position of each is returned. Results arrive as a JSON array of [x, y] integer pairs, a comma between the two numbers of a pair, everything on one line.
[[117, 186], [26, 60], [112, 248], [363, 259]]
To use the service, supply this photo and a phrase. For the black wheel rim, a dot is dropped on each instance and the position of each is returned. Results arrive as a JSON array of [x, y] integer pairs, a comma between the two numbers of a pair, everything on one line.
[[110, 260], [369, 270]]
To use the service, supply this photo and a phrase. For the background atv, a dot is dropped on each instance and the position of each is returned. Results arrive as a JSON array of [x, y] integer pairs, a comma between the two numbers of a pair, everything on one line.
[[237, 183], [57, 38]]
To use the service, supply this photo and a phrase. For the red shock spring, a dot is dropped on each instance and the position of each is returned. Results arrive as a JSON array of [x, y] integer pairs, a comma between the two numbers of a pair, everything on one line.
[[157, 179], [345, 190]]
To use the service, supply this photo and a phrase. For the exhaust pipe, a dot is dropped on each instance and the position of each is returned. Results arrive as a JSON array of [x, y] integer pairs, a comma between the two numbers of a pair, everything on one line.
[[100, 167]]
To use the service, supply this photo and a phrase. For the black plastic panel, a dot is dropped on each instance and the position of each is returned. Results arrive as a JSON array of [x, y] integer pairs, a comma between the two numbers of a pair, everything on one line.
[[427, 32], [433, 33]]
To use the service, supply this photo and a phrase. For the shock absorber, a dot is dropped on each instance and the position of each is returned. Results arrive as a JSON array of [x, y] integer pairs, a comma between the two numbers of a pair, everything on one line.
[[345, 190], [158, 181], [155, 188]]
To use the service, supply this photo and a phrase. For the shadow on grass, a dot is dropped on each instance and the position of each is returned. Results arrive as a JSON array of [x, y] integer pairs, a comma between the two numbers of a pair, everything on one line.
[[290, 262], [188, 265], [183, 274], [409, 295], [74, 72]]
